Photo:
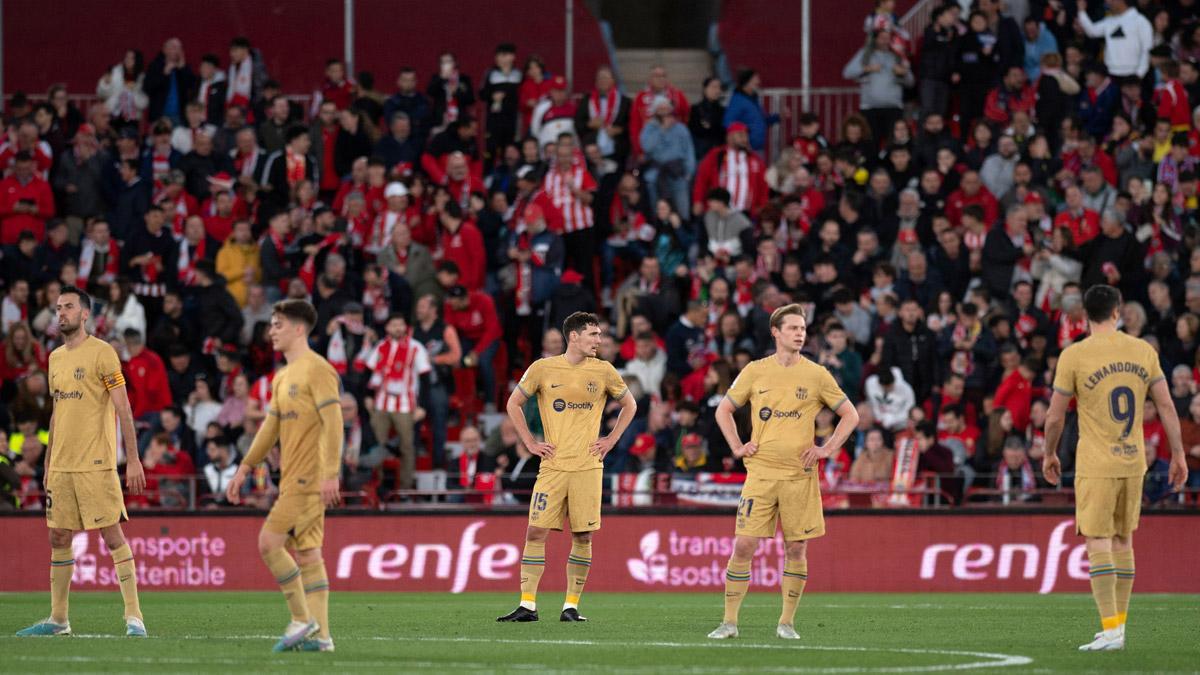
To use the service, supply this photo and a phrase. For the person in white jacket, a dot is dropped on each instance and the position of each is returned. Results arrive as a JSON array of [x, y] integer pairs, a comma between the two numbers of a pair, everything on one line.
[[890, 398], [1128, 37], [121, 88]]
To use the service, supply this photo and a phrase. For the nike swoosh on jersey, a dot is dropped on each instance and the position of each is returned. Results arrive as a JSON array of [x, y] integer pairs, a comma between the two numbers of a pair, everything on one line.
[[555, 386], [763, 391]]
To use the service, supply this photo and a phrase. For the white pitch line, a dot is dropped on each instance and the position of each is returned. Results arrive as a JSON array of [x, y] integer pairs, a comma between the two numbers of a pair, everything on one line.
[[992, 660]]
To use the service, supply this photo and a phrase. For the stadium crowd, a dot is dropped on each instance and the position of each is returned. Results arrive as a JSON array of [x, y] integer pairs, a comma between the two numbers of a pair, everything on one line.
[[940, 243]]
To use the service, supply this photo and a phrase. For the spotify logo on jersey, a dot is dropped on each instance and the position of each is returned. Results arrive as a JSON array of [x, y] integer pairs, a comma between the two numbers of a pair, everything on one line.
[[561, 405], [764, 414]]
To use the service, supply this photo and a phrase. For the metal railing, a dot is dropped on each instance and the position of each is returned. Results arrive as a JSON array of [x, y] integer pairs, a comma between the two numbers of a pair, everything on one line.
[[190, 493], [832, 105], [917, 18]]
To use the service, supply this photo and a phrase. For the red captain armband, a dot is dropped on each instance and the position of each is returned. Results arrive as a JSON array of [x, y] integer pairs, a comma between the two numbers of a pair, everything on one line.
[[113, 381]]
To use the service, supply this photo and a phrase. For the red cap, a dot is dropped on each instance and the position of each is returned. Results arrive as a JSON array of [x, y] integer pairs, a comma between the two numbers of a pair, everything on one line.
[[533, 212], [572, 277], [736, 126], [559, 82], [691, 439], [1034, 197], [908, 236], [643, 445]]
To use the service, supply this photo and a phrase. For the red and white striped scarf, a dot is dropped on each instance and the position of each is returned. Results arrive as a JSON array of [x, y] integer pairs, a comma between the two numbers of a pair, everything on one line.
[[295, 168], [244, 163], [188, 257], [261, 391], [743, 294], [974, 240], [397, 350], [381, 231], [376, 301], [451, 102], [241, 83], [160, 166], [87, 259], [735, 177], [606, 107], [308, 270]]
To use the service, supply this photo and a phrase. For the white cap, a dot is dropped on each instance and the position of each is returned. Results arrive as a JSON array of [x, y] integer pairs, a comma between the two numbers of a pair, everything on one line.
[[396, 189]]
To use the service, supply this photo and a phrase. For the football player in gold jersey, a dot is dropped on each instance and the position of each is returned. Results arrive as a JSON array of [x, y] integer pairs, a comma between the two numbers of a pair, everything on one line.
[[572, 390], [1109, 374], [305, 416], [785, 392], [83, 491]]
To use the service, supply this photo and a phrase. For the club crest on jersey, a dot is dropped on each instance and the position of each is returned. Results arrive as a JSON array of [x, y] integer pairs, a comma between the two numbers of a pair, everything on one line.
[[764, 414], [801, 393], [80, 373], [592, 387], [293, 390]]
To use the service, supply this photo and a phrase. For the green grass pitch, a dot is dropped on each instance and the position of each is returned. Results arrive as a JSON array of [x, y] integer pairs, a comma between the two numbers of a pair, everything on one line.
[[645, 632]]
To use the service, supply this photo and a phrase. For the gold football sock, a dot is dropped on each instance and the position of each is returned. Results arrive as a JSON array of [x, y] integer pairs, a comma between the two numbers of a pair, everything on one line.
[[62, 566], [127, 576], [795, 575], [737, 582], [316, 591], [1123, 562], [1104, 587], [578, 564], [533, 564], [287, 575]]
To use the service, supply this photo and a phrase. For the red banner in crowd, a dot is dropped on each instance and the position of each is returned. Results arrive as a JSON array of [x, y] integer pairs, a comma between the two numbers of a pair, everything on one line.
[[1002, 552]]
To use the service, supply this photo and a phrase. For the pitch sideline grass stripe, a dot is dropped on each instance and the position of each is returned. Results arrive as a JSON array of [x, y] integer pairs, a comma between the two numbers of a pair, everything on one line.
[[997, 660]]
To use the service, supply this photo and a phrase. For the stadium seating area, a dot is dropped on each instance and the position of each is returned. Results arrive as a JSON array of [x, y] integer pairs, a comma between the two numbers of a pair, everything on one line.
[[941, 243]]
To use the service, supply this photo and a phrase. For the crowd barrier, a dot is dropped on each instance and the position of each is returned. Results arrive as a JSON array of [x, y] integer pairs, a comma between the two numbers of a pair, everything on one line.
[[861, 552]]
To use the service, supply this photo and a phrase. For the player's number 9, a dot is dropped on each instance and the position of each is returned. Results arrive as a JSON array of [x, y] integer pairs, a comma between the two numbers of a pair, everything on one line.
[[1120, 406]]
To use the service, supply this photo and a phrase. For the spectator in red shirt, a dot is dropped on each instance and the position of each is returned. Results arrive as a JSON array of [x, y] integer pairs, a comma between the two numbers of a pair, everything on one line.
[[1013, 95], [657, 86], [1087, 154], [736, 168], [26, 201], [1083, 223], [972, 191], [462, 244], [473, 315], [324, 135], [337, 88], [952, 426], [149, 391], [167, 470], [1171, 98], [1016, 393]]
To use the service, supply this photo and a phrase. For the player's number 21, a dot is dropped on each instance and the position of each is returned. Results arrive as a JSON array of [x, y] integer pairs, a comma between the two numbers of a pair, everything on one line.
[[1120, 406]]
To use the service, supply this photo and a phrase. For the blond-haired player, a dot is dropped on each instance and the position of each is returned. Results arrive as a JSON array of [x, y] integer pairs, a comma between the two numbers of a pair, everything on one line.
[[305, 416], [83, 491], [785, 392], [1109, 374]]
